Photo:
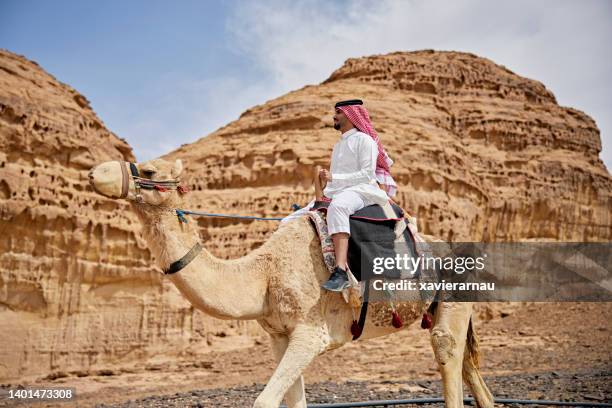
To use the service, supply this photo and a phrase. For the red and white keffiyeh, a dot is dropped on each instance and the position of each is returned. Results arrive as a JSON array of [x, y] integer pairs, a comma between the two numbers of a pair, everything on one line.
[[359, 117]]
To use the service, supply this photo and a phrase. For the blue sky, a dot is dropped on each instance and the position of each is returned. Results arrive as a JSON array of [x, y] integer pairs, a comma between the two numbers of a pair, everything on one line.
[[161, 74]]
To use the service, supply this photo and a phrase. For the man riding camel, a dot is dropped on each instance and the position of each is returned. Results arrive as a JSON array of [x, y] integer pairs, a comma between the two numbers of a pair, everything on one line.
[[359, 176]]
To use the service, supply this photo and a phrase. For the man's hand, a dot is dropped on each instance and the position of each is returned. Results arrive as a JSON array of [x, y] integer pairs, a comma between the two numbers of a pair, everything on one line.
[[384, 188], [325, 175]]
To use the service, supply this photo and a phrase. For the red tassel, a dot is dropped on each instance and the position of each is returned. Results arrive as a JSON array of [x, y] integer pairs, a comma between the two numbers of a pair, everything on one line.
[[182, 189], [426, 321], [161, 189], [356, 329], [396, 321]]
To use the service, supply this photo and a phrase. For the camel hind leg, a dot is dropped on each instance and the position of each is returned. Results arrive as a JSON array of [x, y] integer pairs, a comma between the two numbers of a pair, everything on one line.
[[471, 374], [448, 339], [455, 346]]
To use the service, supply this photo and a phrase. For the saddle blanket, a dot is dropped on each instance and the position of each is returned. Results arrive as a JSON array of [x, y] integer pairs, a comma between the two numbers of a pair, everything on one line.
[[378, 233]]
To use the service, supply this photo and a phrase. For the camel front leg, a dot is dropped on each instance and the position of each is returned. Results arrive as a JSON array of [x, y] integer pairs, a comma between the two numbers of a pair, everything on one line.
[[295, 397], [304, 344], [448, 337]]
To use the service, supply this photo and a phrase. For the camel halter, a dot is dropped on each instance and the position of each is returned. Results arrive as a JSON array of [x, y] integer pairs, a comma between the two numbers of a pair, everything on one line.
[[144, 183], [161, 186]]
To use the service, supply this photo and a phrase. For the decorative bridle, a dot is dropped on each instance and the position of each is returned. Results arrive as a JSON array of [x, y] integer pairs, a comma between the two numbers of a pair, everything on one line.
[[164, 186], [145, 183], [161, 186]]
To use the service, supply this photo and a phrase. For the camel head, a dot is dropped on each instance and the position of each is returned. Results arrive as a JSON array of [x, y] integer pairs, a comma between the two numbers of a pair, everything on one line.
[[155, 182]]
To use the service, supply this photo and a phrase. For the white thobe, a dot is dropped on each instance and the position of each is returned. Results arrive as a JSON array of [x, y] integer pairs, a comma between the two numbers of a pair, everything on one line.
[[353, 185], [353, 168]]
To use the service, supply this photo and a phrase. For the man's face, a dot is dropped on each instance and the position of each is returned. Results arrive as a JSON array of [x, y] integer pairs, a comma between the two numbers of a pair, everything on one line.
[[340, 120]]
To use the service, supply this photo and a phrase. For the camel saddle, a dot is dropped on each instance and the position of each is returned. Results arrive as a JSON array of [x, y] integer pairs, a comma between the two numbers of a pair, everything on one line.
[[376, 231]]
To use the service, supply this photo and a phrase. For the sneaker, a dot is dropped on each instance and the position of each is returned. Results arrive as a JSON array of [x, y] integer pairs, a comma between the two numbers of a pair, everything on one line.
[[338, 281]]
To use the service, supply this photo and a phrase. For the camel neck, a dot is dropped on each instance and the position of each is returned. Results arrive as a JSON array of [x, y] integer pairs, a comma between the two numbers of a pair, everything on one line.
[[168, 238], [226, 289]]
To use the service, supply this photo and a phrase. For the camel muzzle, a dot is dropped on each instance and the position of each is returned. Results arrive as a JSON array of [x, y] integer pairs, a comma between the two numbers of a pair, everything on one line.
[[116, 179], [110, 179]]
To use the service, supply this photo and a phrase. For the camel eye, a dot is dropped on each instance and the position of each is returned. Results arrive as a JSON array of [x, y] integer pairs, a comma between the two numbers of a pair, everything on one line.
[[148, 173]]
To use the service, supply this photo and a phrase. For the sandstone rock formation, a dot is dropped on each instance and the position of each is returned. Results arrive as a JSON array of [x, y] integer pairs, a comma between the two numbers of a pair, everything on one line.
[[77, 289], [480, 153]]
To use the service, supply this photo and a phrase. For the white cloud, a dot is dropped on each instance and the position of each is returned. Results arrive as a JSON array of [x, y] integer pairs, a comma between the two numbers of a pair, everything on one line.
[[563, 44]]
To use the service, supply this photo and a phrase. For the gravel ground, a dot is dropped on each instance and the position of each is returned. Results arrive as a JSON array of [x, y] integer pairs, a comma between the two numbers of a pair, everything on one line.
[[591, 386], [528, 351]]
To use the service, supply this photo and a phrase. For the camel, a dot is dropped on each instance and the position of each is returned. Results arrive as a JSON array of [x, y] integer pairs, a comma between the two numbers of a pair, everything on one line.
[[279, 286]]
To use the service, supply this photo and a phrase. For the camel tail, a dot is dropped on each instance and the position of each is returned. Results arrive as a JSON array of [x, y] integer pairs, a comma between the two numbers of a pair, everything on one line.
[[472, 346], [471, 374]]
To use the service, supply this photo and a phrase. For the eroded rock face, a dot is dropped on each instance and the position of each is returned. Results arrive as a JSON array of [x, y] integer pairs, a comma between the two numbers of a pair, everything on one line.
[[78, 286], [480, 153]]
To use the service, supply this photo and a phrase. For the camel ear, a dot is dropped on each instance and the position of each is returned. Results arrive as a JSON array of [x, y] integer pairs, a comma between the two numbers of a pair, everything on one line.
[[177, 169]]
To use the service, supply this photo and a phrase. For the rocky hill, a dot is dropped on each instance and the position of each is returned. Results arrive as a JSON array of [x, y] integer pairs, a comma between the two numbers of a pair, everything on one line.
[[77, 286], [480, 153]]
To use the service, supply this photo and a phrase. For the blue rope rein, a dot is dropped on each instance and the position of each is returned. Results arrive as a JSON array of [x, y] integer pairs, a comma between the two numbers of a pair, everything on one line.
[[182, 213]]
